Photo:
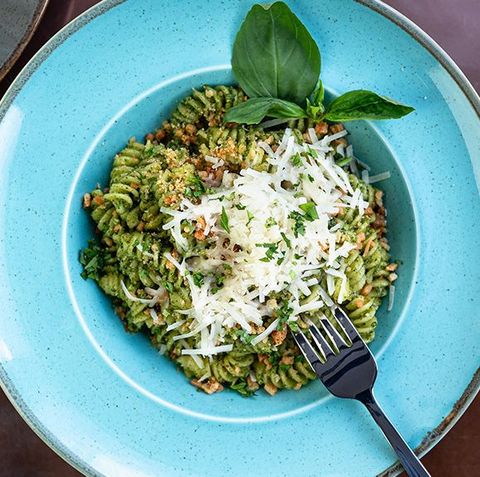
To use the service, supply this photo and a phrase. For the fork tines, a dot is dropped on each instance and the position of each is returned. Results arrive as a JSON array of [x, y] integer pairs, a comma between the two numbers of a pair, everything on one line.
[[327, 339]]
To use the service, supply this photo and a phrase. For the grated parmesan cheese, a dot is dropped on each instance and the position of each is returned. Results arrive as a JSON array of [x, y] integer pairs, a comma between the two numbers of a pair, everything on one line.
[[391, 297], [380, 177], [272, 247]]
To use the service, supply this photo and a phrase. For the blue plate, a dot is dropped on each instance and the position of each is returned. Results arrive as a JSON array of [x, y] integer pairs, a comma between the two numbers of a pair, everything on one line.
[[105, 400]]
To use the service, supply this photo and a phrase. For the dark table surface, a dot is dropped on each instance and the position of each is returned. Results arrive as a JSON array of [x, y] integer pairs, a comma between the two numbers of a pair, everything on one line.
[[455, 25]]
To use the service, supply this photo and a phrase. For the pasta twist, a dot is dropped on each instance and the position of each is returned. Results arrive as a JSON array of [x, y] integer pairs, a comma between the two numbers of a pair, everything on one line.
[[207, 105], [173, 165], [281, 375]]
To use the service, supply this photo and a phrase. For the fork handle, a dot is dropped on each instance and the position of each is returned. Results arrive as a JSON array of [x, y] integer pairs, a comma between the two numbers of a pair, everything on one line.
[[411, 463]]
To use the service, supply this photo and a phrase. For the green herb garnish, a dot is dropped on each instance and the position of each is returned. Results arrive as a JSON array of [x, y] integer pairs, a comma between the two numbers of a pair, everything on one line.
[[299, 223], [271, 250], [195, 188], [218, 283], [274, 55], [293, 325], [343, 161], [242, 387], [168, 286], [92, 260], [254, 110], [250, 217], [310, 211], [287, 241], [283, 314], [274, 358], [270, 222], [296, 160], [224, 221], [270, 49], [245, 337], [198, 278]]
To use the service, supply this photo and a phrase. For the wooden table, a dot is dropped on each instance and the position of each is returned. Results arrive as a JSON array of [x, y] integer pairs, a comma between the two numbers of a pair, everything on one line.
[[455, 25]]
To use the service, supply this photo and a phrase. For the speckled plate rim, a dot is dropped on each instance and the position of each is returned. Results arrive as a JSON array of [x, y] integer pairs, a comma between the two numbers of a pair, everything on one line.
[[27, 36], [469, 394]]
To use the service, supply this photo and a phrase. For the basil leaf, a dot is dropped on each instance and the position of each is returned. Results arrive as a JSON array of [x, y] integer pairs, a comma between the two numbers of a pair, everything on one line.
[[319, 94], [274, 55], [254, 110], [315, 108], [362, 104]]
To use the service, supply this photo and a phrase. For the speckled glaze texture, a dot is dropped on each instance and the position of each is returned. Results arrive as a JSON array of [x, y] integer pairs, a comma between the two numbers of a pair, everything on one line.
[[105, 400]]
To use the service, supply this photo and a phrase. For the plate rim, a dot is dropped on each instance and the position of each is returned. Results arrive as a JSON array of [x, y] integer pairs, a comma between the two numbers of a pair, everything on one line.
[[27, 36], [418, 34]]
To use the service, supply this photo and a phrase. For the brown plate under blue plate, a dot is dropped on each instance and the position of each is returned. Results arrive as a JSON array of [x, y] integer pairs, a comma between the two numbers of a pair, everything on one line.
[[19, 20]]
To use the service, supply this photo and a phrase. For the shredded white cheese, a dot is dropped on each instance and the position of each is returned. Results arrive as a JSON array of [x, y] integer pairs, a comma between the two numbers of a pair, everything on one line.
[[157, 295], [391, 297], [380, 177], [265, 333], [268, 233], [204, 377], [180, 266]]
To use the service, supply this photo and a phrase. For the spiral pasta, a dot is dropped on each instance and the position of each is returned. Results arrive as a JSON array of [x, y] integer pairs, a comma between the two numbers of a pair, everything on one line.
[[137, 262], [208, 104]]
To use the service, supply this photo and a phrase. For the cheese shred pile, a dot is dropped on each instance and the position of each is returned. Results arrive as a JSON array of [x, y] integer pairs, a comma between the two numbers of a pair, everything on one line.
[[273, 233]]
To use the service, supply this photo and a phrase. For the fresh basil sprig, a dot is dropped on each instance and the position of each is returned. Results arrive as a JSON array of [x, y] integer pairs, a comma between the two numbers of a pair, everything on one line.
[[362, 104], [277, 63], [255, 109], [274, 55]]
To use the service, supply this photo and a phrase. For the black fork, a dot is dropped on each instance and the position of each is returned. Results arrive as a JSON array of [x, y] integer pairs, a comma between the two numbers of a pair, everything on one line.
[[348, 369]]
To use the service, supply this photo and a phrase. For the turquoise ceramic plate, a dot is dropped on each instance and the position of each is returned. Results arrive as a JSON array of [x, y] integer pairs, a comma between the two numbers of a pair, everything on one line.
[[106, 401]]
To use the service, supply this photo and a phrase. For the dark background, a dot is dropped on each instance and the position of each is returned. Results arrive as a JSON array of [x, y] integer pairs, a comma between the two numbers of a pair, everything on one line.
[[455, 25]]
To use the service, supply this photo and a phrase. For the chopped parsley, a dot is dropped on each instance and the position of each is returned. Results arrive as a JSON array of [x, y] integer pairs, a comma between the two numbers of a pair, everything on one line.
[[224, 220], [293, 325], [343, 161], [219, 279], [244, 336], [299, 358], [310, 211], [149, 150], [250, 217], [168, 286], [299, 223], [283, 314], [195, 188], [296, 160], [287, 241], [198, 278], [241, 386], [272, 249], [270, 222], [92, 260], [274, 358], [240, 206]]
